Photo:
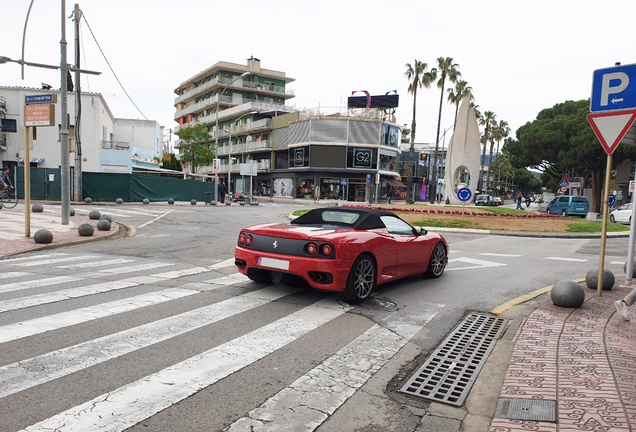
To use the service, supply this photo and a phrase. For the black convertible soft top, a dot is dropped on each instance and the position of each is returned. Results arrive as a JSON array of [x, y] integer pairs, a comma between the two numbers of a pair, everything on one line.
[[352, 217]]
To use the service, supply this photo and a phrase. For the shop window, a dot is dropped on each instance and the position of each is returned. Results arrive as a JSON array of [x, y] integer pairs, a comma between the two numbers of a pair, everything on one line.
[[263, 187], [331, 188], [305, 188], [283, 187]]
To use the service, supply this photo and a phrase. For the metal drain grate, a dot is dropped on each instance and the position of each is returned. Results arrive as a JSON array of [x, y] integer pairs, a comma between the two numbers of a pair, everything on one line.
[[449, 373], [526, 409]]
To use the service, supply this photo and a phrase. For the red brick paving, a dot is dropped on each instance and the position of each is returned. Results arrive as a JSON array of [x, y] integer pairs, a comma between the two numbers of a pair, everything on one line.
[[584, 359]]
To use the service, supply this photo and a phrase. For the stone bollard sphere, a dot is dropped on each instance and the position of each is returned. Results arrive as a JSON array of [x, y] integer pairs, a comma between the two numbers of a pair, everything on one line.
[[37, 208], [228, 203], [87, 200], [119, 201], [170, 201], [193, 202], [103, 225], [86, 230], [43, 236], [591, 279], [242, 203], [72, 211], [567, 294], [106, 217], [146, 201], [254, 203], [213, 202], [633, 269], [94, 215]]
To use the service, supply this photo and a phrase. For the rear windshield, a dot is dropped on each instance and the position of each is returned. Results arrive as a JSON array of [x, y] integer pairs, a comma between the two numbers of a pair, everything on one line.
[[482, 197], [340, 216], [581, 199]]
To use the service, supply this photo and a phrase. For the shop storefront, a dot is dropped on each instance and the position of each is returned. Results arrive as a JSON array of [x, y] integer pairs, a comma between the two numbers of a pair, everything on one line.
[[263, 187], [332, 188], [305, 188], [357, 190]]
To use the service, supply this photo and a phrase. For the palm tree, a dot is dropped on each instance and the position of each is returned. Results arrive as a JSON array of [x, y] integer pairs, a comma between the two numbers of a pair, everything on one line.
[[418, 77], [487, 120], [446, 68], [456, 95], [499, 132]]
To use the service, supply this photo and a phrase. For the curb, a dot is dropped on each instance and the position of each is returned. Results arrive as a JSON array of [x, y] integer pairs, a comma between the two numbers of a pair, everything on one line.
[[120, 231]]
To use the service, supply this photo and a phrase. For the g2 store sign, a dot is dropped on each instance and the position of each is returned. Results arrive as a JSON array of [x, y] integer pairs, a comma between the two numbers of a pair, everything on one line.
[[362, 158]]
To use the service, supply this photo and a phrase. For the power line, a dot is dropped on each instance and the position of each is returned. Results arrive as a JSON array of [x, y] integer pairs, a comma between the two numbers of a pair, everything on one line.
[[111, 69]]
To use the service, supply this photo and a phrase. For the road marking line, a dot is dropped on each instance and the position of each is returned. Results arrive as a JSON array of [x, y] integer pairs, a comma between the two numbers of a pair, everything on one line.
[[229, 280], [227, 263], [95, 264], [501, 255], [37, 283], [618, 262], [135, 268], [57, 260], [64, 319], [479, 263], [46, 367], [157, 218], [565, 259], [12, 260], [154, 393], [9, 275], [179, 273]]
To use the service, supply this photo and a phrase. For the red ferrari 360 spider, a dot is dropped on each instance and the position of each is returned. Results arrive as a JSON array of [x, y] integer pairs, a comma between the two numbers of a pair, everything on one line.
[[340, 249]]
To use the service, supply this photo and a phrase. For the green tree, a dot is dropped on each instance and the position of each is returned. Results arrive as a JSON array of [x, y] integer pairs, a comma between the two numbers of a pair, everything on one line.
[[418, 77], [171, 162], [447, 69], [193, 146], [488, 121], [498, 132], [560, 141], [456, 95]]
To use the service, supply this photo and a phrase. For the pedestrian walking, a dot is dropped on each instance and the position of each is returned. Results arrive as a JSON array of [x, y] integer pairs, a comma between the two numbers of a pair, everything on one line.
[[222, 192], [622, 306], [519, 207]]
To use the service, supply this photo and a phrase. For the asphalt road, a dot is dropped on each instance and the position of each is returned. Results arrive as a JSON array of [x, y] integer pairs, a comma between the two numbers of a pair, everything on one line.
[[156, 331]]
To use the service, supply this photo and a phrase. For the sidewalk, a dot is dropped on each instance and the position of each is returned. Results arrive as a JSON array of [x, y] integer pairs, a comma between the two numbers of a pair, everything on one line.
[[580, 360], [12, 232]]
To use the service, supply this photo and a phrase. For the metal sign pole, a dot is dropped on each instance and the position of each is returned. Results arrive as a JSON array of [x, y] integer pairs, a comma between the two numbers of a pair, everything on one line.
[[27, 182], [632, 240], [608, 174]]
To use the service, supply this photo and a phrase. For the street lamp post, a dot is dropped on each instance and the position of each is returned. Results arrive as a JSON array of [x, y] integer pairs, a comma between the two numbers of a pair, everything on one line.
[[216, 134]]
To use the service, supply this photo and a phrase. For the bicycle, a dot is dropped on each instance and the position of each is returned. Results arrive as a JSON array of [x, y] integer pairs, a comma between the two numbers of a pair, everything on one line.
[[8, 199]]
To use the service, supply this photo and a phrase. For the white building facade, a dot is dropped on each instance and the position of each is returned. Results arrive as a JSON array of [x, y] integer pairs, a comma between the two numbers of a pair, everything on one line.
[[108, 144]]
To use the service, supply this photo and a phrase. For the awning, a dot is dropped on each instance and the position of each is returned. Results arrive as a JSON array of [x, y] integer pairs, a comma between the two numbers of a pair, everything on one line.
[[33, 160], [393, 182]]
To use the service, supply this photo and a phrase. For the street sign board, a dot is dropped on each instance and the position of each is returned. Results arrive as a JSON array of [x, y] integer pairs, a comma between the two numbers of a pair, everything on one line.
[[563, 189], [612, 200], [565, 182], [614, 88], [248, 169], [39, 115], [611, 127], [368, 178], [343, 182], [464, 194], [377, 179], [46, 98]]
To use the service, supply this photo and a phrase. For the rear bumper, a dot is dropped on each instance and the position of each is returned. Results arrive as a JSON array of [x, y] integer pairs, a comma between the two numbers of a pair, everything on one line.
[[299, 266]]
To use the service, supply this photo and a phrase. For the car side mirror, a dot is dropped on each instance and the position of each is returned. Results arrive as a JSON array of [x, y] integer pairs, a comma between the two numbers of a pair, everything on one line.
[[419, 230]]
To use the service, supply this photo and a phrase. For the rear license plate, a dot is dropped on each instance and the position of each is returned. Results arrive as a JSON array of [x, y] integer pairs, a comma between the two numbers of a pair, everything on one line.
[[579, 208], [273, 263]]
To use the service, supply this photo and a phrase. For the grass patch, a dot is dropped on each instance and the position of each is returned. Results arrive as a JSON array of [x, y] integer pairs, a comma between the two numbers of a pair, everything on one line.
[[593, 227], [440, 223], [300, 212]]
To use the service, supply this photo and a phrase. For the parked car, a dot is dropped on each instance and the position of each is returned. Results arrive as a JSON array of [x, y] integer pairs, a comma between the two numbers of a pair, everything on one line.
[[484, 200], [351, 250], [498, 200], [569, 205], [623, 214]]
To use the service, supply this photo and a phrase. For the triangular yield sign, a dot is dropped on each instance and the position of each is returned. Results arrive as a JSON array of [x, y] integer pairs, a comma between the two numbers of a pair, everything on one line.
[[611, 127]]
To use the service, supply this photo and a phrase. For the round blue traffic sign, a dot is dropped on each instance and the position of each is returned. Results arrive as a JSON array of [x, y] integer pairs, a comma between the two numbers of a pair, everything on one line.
[[612, 200], [464, 194]]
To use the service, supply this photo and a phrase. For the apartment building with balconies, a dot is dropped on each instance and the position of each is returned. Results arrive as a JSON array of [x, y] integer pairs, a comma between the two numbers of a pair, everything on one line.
[[246, 107]]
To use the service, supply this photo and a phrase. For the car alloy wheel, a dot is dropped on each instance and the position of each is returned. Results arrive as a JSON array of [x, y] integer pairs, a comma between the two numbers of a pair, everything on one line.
[[437, 263], [361, 280]]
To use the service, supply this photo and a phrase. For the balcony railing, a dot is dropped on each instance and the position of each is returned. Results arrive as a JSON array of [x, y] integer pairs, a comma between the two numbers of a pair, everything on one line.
[[201, 105], [115, 145], [225, 81], [263, 164], [245, 147]]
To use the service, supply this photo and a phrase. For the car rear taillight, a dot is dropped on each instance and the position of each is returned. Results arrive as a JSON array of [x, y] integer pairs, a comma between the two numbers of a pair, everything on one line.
[[569, 207], [248, 240], [326, 250], [312, 248], [242, 238]]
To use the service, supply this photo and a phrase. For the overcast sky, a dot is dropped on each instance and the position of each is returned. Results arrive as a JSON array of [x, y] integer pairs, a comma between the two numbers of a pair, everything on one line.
[[518, 56]]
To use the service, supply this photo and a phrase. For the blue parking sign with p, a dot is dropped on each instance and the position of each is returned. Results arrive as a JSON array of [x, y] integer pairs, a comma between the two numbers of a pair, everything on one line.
[[614, 88]]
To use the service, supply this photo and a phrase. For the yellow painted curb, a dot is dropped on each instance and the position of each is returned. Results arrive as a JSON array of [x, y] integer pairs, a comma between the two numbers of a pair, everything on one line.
[[503, 308], [132, 232]]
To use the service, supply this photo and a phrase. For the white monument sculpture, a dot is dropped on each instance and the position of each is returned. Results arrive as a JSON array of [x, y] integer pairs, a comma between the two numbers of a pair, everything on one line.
[[463, 155]]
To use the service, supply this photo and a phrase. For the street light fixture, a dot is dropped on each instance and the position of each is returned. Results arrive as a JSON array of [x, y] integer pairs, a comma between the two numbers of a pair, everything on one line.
[[216, 133]]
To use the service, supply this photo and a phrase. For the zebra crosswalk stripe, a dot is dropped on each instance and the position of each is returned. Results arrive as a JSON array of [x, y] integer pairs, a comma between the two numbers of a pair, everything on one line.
[[145, 397], [136, 268], [57, 260], [95, 264], [11, 275], [38, 283], [37, 370], [12, 260], [64, 319]]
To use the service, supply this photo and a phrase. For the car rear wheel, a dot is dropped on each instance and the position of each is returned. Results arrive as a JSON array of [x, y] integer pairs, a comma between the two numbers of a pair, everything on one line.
[[564, 213], [437, 263], [612, 218], [361, 280]]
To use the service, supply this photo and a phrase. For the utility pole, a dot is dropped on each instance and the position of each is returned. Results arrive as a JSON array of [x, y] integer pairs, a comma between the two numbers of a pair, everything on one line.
[[64, 161], [78, 109]]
